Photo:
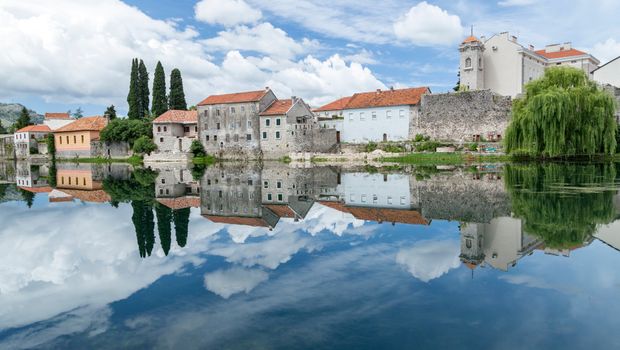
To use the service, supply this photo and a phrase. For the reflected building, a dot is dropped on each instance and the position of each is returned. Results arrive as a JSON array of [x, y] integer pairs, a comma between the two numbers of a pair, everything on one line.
[[85, 181], [33, 178]]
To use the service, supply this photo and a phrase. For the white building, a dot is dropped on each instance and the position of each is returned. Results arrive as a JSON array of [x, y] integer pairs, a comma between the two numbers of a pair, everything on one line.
[[57, 120], [378, 191], [27, 140], [330, 116], [381, 116], [609, 73], [504, 66]]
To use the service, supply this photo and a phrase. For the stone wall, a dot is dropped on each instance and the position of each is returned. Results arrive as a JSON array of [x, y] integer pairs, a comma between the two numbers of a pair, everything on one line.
[[6, 146], [459, 116], [99, 149]]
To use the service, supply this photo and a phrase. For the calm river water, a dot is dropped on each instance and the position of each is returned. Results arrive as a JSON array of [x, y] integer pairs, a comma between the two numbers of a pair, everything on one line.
[[278, 257]]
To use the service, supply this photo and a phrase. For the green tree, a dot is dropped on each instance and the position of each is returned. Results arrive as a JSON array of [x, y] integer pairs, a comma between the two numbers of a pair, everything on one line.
[[127, 130], [164, 225], [110, 112], [160, 101], [51, 145], [181, 225], [457, 87], [144, 145], [176, 99], [2, 128], [143, 79], [563, 114], [133, 98], [23, 120], [197, 149], [78, 113]]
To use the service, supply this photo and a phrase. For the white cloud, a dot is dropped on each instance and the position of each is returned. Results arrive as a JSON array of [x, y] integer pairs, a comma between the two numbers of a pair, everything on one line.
[[510, 3], [428, 260], [427, 25], [606, 50], [226, 12], [234, 280]]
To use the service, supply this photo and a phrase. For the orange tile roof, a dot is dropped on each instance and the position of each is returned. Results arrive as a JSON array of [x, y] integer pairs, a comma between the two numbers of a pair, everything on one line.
[[35, 128], [57, 116], [411, 217], [470, 39], [45, 189], [337, 105], [283, 211], [239, 97], [237, 220], [279, 107], [560, 54], [386, 98], [181, 202], [98, 196], [85, 124], [60, 199], [176, 116]]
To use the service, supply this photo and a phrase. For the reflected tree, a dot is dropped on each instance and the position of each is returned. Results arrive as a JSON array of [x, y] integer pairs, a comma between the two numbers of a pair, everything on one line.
[[562, 203], [143, 222], [181, 225], [164, 226], [28, 197]]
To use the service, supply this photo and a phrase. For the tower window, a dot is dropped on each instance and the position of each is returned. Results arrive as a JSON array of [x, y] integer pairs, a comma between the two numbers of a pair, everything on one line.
[[468, 62]]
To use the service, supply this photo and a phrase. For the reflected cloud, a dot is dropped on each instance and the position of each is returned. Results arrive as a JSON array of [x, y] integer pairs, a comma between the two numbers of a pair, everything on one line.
[[428, 260], [226, 283]]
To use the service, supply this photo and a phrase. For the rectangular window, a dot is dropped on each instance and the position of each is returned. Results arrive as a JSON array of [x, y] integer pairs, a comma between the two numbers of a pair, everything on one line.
[[363, 198], [352, 198], [280, 197], [402, 200], [266, 184], [350, 116], [236, 138], [161, 140], [159, 129], [67, 140], [362, 116], [187, 129], [279, 184], [269, 198], [401, 113], [232, 110], [82, 138], [196, 128], [264, 135], [165, 128], [207, 138], [217, 112], [388, 114], [217, 126], [206, 113], [214, 137], [389, 200], [374, 115], [278, 121], [60, 140], [248, 137], [249, 123], [277, 135], [242, 108], [250, 182], [267, 122]]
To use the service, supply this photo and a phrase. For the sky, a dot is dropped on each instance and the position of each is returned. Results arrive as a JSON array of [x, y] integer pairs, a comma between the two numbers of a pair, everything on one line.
[[61, 55]]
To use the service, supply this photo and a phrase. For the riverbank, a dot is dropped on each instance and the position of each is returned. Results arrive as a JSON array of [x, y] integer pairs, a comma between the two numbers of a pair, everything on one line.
[[133, 160]]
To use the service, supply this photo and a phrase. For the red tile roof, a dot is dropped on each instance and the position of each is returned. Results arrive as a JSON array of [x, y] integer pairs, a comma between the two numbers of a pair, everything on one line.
[[470, 39], [45, 189], [386, 98], [57, 116], [337, 105], [97, 196], [560, 54], [283, 211], [411, 217], [279, 107], [181, 202], [85, 124], [238, 220], [176, 116], [35, 128], [239, 97]]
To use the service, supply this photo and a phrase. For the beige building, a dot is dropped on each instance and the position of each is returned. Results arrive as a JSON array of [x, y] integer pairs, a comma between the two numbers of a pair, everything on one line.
[[504, 66], [609, 73]]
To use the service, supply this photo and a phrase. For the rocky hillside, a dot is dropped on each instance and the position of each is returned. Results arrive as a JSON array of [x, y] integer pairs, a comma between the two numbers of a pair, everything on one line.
[[9, 112]]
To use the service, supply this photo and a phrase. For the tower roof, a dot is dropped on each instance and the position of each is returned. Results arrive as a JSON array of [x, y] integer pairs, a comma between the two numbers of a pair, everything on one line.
[[470, 39]]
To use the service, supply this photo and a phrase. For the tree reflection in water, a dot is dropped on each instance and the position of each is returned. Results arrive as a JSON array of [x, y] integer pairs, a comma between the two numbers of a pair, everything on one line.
[[562, 203]]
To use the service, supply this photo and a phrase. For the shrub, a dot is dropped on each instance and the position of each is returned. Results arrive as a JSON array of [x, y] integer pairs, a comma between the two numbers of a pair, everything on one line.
[[420, 138], [430, 146], [473, 146], [197, 149], [51, 145], [371, 146], [144, 145], [127, 130], [392, 148]]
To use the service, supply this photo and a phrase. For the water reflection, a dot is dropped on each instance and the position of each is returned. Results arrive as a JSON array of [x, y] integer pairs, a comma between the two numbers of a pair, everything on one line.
[[330, 246]]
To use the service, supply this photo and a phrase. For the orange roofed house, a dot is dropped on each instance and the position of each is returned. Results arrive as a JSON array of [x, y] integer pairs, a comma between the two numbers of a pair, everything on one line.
[[81, 139], [31, 140], [174, 131]]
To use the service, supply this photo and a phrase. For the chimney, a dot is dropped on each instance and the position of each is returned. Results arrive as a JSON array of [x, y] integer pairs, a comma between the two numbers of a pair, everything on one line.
[[266, 88], [513, 39], [531, 47], [483, 38], [294, 99], [378, 91], [391, 88]]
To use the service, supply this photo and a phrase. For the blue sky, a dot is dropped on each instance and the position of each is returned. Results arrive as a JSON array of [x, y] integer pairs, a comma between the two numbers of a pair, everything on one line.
[[71, 54]]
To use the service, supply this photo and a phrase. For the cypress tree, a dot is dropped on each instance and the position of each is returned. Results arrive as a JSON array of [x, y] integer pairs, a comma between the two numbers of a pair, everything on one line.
[[133, 99], [164, 227], [160, 101], [176, 99], [23, 120], [562, 114], [181, 225], [143, 78], [144, 225]]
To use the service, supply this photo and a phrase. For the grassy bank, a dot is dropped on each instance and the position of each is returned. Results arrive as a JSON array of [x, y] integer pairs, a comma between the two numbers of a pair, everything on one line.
[[133, 160], [445, 158], [206, 160]]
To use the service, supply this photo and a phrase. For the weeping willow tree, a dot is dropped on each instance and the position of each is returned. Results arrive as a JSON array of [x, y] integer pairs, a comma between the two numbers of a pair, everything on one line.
[[563, 114], [563, 204]]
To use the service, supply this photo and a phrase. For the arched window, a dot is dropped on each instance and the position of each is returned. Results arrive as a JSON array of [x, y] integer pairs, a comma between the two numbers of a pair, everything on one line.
[[468, 243], [468, 62]]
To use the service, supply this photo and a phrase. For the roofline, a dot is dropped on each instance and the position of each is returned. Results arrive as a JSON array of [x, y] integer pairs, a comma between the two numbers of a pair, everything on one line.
[[428, 89], [265, 91], [605, 64], [272, 103]]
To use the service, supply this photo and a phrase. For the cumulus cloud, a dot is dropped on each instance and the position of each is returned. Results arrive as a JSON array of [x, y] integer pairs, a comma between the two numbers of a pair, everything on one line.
[[428, 260], [606, 50], [427, 25], [234, 280], [226, 12]]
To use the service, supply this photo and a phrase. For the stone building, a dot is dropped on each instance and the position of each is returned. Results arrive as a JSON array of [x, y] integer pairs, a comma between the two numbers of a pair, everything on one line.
[[228, 125], [175, 182], [174, 131], [31, 140], [381, 116], [331, 115], [81, 139], [7, 146], [290, 126], [504, 66]]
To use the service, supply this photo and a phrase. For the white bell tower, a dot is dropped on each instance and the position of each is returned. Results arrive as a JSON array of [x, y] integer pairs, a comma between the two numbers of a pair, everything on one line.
[[472, 63]]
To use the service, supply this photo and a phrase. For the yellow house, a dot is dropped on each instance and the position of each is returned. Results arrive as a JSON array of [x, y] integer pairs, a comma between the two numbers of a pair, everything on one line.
[[80, 138]]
